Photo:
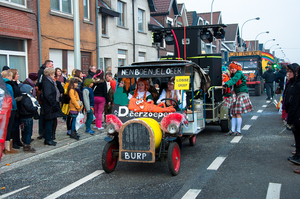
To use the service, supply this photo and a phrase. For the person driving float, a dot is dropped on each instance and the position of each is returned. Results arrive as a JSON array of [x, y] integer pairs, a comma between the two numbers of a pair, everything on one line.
[[141, 91], [172, 94]]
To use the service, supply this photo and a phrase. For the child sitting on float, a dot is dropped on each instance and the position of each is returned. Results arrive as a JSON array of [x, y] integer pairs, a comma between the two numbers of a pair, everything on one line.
[[141, 91]]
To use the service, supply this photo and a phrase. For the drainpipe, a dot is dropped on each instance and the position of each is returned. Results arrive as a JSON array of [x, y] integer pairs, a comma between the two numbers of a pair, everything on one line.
[[133, 27], [97, 36], [39, 32], [77, 55]]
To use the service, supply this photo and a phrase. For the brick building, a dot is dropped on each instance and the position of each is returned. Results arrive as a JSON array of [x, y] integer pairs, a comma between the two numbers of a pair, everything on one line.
[[57, 33], [19, 36]]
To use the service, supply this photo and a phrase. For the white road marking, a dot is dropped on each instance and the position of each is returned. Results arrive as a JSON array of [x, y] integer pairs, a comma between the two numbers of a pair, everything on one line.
[[268, 101], [246, 127], [192, 193], [216, 163], [273, 191], [236, 139], [260, 111], [254, 117], [74, 185], [264, 106], [13, 192]]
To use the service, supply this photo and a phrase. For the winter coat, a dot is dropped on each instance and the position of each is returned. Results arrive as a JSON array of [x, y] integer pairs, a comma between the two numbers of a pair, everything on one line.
[[279, 77], [74, 98], [51, 108], [41, 77], [16, 88], [294, 107], [100, 89], [90, 74], [269, 76], [11, 93], [239, 82], [88, 98], [27, 104], [289, 89]]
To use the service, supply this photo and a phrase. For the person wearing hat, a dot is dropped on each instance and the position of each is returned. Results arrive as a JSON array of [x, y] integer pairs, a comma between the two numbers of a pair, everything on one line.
[[5, 68], [269, 77], [291, 98], [251, 65], [228, 100], [31, 81], [172, 94], [241, 102]]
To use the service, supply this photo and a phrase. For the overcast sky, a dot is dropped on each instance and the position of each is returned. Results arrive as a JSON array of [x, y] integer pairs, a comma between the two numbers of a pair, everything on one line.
[[279, 17]]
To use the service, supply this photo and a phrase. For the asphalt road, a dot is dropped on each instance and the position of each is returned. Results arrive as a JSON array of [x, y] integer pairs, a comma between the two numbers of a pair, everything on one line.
[[255, 165]]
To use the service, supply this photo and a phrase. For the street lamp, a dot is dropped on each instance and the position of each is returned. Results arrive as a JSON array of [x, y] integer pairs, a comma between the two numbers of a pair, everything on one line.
[[257, 36], [257, 18], [275, 50], [273, 45], [268, 41], [211, 22]]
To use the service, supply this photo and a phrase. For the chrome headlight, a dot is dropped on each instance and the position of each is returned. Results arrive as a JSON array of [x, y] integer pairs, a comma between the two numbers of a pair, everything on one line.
[[110, 128], [172, 128]]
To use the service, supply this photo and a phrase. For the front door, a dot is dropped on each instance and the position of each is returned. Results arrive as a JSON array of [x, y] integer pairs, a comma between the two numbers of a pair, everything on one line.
[[85, 62]]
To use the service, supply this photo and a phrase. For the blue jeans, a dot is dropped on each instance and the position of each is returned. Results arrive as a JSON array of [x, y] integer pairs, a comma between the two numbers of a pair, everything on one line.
[[27, 129], [73, 121], [48, 130], [89, 119]]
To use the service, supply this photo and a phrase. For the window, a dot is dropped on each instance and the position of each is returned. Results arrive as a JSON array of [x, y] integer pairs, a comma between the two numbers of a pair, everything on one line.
[[142, 56], [86, 9], [19, 2], [13, 54], [107, 63], [62, 5], [141, 20], [104, 32], [121, 57], [121, 10]]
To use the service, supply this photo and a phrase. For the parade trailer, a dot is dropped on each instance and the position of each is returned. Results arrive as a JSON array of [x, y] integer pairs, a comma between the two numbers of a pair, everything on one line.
[[253, 66]]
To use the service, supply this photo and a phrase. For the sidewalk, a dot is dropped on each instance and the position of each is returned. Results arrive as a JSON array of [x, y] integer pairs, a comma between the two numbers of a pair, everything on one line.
[[62, 139]]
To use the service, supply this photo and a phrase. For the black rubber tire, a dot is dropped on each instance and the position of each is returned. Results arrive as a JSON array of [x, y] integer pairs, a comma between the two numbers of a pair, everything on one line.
[[192, 140], [174, 158], [225, 125], [109, 162], [257, 89]]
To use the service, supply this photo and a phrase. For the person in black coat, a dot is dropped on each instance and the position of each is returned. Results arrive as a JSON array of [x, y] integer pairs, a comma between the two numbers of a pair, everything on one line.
[[292, 107], [91, 72], [269, 77], [28, 109], [47, 64], [279, 77], [51, 108]]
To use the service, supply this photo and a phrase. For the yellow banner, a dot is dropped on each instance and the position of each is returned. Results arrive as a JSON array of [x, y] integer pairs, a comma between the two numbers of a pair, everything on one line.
[[246, 53], [182, 82]]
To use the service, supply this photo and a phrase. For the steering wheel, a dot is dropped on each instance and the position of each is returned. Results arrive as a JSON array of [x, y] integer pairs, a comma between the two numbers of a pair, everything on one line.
[[176, 103]]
